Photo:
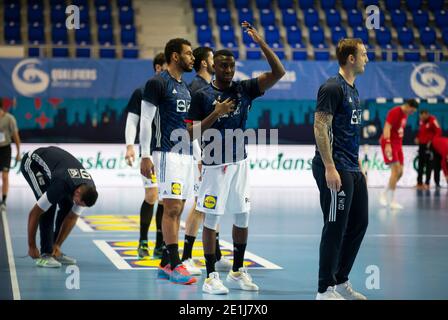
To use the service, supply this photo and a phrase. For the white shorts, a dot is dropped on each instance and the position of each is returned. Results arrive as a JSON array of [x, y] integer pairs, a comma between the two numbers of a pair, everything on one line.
[[197, 181], [174, 175], [149, 183], [224, 188]]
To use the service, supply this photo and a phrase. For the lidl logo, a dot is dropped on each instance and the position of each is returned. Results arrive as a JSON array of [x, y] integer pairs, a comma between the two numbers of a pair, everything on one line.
[[176, 188], [210, 201]]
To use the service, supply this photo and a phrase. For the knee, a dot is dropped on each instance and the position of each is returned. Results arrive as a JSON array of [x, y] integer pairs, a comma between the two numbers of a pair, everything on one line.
[[172, 211], [150, 196], [211, 221], [5, 176]]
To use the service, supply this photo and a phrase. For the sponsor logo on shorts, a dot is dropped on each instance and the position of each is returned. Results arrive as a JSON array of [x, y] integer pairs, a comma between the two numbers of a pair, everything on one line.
[[176, 188], [210, 201]]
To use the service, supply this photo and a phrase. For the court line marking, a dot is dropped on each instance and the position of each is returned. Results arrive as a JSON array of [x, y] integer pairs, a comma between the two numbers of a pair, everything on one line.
[[83, 225], [10, 253], [112, 255]]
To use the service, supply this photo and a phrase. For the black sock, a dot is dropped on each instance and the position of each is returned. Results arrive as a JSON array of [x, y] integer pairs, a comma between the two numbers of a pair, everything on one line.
[[188, 247], [218, 249], [159, 234], [4, 198], [238, 255], [145, 219], [173, 253], [210, 260], [165, 258]]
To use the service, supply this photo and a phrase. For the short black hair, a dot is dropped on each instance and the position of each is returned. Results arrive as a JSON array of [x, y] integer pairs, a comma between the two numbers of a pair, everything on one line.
[[412, 103], [223, 52], [159, 59], [424, 111], [200, 54], [174, 45], [89, 195], [1, 103]]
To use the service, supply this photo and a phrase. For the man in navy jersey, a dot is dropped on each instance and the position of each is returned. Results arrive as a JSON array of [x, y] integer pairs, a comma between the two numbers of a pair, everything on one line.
[[146, 210], [203, 65], [57, 179], [166, 100], [223, 106], [337, 171]]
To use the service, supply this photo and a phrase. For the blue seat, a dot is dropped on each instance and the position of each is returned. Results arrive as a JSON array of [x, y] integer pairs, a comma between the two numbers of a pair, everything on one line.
[[371, 2], [293, 35], [106, 52], [198, 3], [61, 51], [130, 51], [35, 2], [434, 53], [59, 33], [33, 51], [253, 51], [421, 18], [328, 4], [383, 36], [232, 46], [393, 4], [245, 14], [299, 52], [349, 4], [204, 34], [12, 33], [321, 52], [370, 52], [398, 18], [210, 44], [311, 17], [223, 17], [227, 34], [427, 36], [316, 35], [289, 17], [124, 3], [36, 32], [267, 17], [53, 3], [128, 34], [103, 15], [82, 34], [57, 14], [220, 4], [338, 33], [285, 4], [435, 5], [355, 18], [445, 36], [333, 18], [405, 36], [83, 15], [201, 17], [35, 14], [271, 34], [279, 50], [263, 4], [413, 54], [414, 4], [126, 15], [441, 18], [306, 4], [239, 4], [105, 34], [12, 12], [389, 53], [99, 3], [246, 38], [362, 33], [80, 3]]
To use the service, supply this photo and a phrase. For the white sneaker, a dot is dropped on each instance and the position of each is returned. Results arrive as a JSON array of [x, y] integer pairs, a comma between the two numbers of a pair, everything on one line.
[[346, 291], [330, 294], [47, 261], [191, 267], [242, 279], [395, 205], [213, 285], [223, 264], [383, 199], [64, 259]]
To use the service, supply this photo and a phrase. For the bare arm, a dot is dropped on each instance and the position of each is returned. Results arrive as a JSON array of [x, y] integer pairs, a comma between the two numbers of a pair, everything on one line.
[[66, 227], [33, 222], [322, 125], [16, 138], [267, 79]]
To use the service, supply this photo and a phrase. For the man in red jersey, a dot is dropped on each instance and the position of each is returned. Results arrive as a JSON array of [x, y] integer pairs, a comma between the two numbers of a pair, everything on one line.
[[440, 146], [391, 144], [428, 129]]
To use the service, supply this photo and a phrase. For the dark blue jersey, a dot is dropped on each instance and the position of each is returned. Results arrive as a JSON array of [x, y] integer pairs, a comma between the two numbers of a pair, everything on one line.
[[341, 100], [172, 99], [197, 83], [203, 104]]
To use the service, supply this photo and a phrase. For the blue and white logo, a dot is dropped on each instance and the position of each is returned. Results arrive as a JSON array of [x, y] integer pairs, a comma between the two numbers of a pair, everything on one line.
[[28, 80], [427, 81]]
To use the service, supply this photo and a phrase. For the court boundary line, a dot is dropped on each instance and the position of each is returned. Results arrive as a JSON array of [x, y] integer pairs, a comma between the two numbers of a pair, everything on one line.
[[10, 253]]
